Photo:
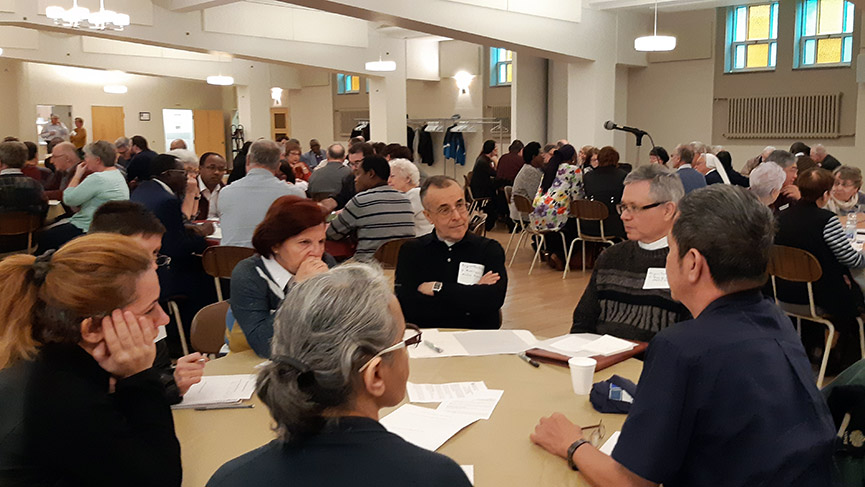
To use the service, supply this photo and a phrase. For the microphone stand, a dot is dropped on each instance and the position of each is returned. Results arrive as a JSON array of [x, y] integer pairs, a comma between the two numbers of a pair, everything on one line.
[[639, 138]]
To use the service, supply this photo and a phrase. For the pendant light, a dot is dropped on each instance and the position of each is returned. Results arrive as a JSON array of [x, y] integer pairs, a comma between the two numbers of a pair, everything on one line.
[[655, 43]]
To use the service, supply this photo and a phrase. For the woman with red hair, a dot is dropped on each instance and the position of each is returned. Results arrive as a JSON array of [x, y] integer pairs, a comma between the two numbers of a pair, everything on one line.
[[289, 246]]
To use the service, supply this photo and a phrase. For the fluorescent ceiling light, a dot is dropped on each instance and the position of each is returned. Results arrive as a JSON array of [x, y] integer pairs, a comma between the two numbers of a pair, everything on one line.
[[381, 65], [655, 43], [220, 80], [115, 89]]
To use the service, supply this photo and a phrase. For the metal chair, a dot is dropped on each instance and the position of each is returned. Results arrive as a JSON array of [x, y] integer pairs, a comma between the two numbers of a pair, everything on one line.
[[587, 210], [797, 265], [219, 261], [478, 225], [208, 328], [174, 310], [525, 206], [20, 223], [388, 254], [518, 224]]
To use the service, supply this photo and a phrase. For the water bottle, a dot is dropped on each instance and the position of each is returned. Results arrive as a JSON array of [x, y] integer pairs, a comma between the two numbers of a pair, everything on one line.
[[850, 230]]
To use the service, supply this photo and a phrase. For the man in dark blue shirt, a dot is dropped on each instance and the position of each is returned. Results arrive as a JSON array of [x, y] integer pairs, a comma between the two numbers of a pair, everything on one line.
[[727, 398]]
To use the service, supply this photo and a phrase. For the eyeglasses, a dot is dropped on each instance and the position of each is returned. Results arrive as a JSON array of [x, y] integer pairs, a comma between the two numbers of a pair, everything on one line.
[[174, 171], [597, 435], [620, 208], [411, 341], [846, 184], [446, 211], [162, 260]]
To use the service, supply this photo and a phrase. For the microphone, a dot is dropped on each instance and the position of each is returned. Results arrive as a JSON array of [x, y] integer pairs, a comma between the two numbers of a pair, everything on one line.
[[609, 125]]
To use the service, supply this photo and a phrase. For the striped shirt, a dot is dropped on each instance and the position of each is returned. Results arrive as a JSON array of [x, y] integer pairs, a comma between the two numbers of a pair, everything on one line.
[[376, 215], [834, 236]]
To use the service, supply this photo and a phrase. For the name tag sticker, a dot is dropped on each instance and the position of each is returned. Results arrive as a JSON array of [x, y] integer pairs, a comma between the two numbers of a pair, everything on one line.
[[470, 274], [656, 278]]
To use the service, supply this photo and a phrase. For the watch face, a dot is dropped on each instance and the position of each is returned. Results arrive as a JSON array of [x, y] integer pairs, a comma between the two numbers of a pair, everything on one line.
[[437, 287]]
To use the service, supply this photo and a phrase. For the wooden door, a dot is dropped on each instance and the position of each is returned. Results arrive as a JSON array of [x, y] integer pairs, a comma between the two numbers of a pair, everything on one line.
[[280, 123], [209, 128], [107, 123]]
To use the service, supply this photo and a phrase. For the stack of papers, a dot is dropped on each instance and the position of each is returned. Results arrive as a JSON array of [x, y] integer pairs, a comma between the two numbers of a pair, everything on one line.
[[586, 345], [218, 390], [610, 444], [472, 343]]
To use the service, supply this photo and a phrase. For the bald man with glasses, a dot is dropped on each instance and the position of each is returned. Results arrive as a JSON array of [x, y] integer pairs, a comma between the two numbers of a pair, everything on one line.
[[450, 278]]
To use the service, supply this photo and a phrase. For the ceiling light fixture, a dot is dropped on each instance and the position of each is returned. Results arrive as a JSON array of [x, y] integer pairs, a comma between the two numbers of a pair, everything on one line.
[[381, 65], [220, 80], [76, 17], [115, 89], [655, 43]]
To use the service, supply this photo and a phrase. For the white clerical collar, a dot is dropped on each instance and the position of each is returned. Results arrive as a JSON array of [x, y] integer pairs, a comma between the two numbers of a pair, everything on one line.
[[11, 170], [656, 245], [683, 166], [449, 243], [280, 275]]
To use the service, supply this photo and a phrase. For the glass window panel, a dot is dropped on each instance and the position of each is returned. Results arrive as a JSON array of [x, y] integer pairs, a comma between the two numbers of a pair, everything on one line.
[[340, 86], [510, 72], [494, 55], [503, 54], [828, 51], [773, 54], [348, 83], [810, 17], [848, 18], [510, 55], [741, 23], [355, 83], [758, 55], [831, 17], [847, 52], [758, 22], [810, 54], [503, 73], [739, 62], [774, 21]]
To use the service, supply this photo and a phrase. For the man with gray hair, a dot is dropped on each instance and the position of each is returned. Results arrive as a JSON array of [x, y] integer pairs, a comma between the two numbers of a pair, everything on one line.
[[243, 204], [766, 181], [124, 152], [756, 161], [826, 160], [628, 295], [789, 191], [326, 180]]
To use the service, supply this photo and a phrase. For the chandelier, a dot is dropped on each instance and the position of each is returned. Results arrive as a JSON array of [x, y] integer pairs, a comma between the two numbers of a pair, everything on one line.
[[76, 17]]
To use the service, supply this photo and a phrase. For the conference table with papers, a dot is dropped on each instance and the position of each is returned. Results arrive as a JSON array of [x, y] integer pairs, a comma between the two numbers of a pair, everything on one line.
[[478, 409]]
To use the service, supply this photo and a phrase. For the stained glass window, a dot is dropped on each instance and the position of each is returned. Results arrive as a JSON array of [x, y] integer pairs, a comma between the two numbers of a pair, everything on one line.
[[826, 32], [753, 37], [347, 83], [501, 66]]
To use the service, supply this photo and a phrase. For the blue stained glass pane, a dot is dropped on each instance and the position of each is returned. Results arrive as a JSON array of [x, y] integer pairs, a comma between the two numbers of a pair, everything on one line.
[[847, 50], [774, 20], [773, 54], [348, 84], [809, 56], [810, 18], [739, 57], [494, 55], [340, 86], [741, 24], [848, 18]]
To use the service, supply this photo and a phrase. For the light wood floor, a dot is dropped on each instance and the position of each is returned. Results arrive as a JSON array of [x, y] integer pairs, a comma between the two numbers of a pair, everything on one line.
[[542, 303]]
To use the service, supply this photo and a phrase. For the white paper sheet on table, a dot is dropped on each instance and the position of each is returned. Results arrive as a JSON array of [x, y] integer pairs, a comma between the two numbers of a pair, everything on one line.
[[217, 232], [442, 392], [481, 404], [608, 345], [610, 444], [585, 345], [470, 472], [473, 343], [424, 427], [218, 389], [53, 202]]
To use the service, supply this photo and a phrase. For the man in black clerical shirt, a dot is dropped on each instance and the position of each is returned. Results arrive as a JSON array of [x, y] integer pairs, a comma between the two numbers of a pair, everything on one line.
[[728, 397], [450, 278]]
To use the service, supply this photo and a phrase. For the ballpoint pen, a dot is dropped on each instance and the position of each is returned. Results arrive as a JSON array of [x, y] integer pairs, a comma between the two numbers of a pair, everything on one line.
[[224, 406], [432, 346], [525, 358]]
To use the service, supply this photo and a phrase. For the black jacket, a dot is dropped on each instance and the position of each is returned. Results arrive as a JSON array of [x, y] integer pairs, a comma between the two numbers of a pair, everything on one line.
[[428, 259], [606, 184]]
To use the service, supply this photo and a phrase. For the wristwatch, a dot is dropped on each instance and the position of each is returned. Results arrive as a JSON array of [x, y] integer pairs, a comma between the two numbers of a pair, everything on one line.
[[437, 286], [572, 449]]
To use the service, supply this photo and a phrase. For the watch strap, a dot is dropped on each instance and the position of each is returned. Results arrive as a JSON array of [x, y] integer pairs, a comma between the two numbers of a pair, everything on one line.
[[572, 449]]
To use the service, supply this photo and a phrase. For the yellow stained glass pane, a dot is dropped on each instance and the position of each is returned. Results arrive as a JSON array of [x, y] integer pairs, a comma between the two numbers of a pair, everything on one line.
[[829, 51], [831, 17], [355, 83], [510, 73], [758, 55], [509, 55], [758, 22]]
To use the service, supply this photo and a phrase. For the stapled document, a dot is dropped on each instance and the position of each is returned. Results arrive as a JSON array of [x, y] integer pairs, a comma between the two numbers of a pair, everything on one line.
[[218, 389]]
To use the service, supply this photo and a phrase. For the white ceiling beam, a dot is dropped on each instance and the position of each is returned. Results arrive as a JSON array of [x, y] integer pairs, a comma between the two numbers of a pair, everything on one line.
[[191, 5]]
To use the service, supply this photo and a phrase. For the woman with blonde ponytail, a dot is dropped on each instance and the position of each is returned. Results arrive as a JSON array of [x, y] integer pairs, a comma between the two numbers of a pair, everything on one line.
[[80, 403]]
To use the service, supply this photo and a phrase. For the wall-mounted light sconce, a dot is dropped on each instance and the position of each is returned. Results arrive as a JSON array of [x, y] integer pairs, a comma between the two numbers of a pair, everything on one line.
[[276, 95], [463, 79]]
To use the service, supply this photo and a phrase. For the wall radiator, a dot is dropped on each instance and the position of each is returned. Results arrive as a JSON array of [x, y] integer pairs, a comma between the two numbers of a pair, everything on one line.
[[784, 116]]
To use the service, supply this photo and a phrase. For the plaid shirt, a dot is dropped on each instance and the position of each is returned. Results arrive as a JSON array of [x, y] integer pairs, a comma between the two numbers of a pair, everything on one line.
[[21, 193]]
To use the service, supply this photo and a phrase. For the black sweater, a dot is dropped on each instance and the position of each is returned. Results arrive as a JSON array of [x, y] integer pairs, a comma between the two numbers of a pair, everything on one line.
[[428, 259], [59, 425]]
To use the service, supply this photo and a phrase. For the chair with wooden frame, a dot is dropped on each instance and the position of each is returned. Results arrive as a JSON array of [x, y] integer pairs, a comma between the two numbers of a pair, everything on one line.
[[388, 254], [518, 225], [472, 203], [478, 225], [20, 223], [587, 210], [208, 328], [219, 261], [525, 206], [797, 265]]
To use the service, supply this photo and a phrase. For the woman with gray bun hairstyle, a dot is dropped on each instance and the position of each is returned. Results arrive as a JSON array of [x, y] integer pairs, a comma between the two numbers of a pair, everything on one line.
[[338, 356]]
